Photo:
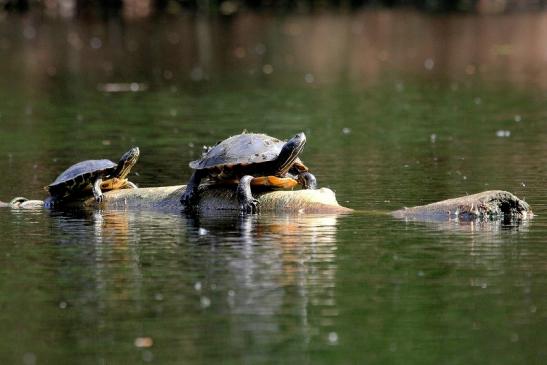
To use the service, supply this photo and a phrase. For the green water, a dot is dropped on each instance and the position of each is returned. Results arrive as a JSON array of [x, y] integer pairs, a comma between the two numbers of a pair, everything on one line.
[[399, 108]]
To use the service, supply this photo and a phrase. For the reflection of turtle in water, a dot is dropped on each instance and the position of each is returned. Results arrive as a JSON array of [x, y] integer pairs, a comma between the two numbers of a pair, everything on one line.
[[95, 174], [247, 160]]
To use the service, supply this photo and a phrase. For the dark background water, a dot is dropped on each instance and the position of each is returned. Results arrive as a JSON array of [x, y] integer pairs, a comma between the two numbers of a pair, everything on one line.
[[400, 108]]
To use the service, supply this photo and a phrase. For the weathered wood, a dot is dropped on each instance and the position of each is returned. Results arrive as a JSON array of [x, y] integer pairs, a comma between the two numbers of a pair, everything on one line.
[[24, 203], [488, 204], [213, 198]]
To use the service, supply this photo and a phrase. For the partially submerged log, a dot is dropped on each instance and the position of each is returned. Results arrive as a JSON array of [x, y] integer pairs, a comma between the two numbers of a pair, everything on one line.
[[486, 205], [218, 198], [212, 198]]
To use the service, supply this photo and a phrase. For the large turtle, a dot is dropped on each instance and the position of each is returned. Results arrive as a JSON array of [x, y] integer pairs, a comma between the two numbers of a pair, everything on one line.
[[95, 174], [251, 159]]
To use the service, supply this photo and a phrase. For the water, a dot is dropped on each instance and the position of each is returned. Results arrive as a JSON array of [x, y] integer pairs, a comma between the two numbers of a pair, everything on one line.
[[399, 108]]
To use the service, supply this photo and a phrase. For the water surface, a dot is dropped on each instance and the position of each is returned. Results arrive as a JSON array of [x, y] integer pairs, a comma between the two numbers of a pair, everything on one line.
[[399, 108]]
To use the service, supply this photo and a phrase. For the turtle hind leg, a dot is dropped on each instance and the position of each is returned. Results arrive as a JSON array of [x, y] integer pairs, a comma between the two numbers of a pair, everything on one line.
[[307, 180], [247, 204], [190, 197]]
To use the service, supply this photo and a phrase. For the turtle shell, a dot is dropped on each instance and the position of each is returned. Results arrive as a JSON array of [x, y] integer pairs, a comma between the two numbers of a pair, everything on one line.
[[80, 175], [242, 149]]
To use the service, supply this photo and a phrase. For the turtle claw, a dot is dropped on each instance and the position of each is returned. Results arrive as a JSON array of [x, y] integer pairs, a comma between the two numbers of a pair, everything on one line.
[[187, 200], [189, 208], [250, 207], [99, 199]]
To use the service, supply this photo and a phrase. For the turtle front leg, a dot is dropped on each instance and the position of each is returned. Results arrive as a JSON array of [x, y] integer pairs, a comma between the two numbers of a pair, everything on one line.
[[247, 204], [97, 193], [190, 195], [307, 180]]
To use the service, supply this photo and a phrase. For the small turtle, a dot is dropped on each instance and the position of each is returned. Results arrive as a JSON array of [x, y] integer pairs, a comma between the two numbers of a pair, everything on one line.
[[94, 174], [251, 159]]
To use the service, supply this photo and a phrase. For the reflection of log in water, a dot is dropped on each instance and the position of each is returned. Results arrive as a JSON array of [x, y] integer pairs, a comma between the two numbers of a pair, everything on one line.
[[273, 269], [105, 264], [264, 272], [481, 232]]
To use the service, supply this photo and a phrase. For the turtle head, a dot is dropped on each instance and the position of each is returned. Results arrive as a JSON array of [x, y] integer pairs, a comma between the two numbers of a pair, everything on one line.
[[126, 162], [290, 151]]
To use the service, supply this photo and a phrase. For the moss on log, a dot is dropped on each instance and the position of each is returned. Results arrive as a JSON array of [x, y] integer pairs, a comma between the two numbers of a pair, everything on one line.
[[486, 205]]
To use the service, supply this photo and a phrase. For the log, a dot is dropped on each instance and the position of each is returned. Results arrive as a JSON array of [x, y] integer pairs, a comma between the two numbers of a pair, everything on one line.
[[486, 205], [213, 199], [491, 204], [22, 203], [218, 198]]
